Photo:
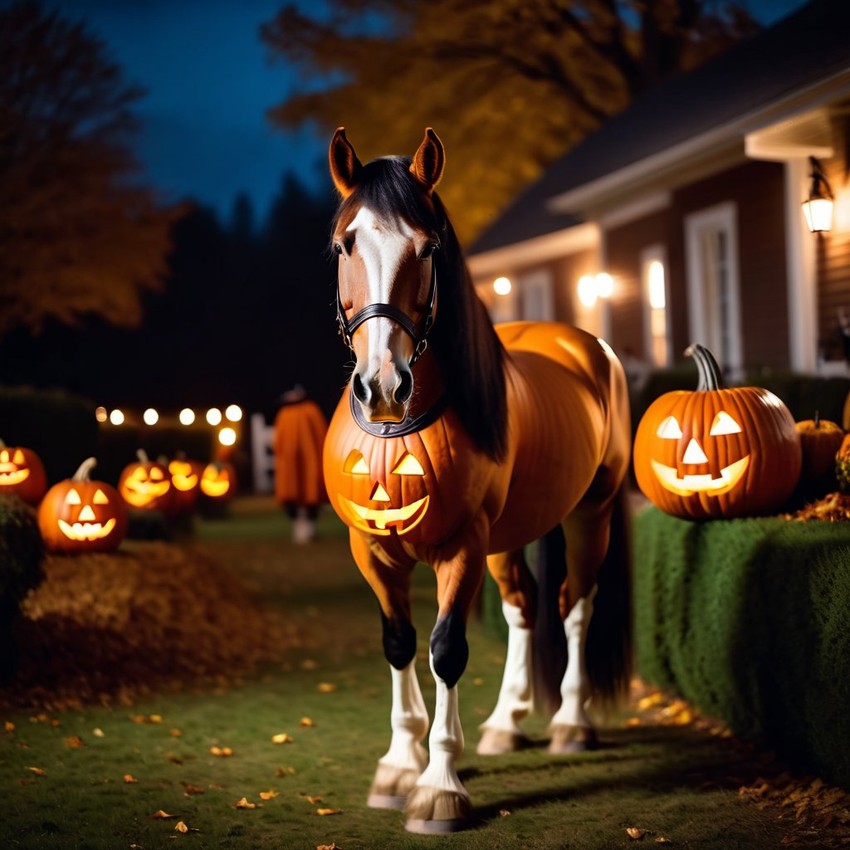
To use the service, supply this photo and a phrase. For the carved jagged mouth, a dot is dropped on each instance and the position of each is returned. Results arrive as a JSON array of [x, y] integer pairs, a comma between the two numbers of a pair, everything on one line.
[[10, 479], [687, 485], [184, 483], [381, 521], [140, 495], [86, 530], [214, 489]]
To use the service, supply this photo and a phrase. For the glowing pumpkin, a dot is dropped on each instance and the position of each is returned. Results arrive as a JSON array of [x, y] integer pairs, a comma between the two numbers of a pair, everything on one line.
[[185, 483], [146, 484], [717, 452], [81, 515], [421, 486], [218, 481], [22, 473]]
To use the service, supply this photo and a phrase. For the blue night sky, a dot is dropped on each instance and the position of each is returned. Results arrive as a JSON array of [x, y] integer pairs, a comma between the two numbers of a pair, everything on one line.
[[209, 82]]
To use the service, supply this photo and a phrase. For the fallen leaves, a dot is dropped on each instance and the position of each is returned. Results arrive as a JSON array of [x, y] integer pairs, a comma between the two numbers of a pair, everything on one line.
[[638, 834], [325, 812], [75, 742], [307, 722], [282, 738], [269, 795], [221, 752], [37, 771], [244, 803], [326, 687], [129, 779], [159, 814]]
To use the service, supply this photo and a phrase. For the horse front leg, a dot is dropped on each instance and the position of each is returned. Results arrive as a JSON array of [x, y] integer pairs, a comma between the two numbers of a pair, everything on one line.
[[405, 759], [438, 802]]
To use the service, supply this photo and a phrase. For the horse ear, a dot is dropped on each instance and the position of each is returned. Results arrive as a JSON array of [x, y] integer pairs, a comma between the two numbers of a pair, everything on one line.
[[428, 161], [344, 164]]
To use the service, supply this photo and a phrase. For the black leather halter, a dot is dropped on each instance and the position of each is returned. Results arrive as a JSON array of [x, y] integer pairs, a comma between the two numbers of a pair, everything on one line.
[[390, 311]]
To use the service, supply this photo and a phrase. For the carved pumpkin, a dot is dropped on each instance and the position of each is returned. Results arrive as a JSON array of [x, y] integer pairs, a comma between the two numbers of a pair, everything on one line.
[[185, 483], [81, 515], [820, 441], [417, 486], [146, 484], [218, 481], [22, 473], [717, 452]]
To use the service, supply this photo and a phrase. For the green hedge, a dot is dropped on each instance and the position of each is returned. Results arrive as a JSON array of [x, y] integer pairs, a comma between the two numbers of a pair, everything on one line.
[[749, 620]]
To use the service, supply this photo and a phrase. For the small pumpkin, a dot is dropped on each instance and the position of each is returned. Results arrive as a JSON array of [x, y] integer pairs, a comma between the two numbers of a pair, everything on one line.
[[146, 484], [218, 481], [81, 515], [22, 473], [820, 441], [842, 465], [716, 451]]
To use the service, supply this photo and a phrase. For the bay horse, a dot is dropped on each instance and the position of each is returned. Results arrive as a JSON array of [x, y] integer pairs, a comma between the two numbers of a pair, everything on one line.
[[456, 444]]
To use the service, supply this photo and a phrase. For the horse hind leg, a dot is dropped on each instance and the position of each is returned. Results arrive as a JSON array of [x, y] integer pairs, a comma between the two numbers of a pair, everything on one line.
[[501, 732]]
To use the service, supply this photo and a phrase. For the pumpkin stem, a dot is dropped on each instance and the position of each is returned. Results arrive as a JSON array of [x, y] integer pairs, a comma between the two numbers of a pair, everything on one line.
[[710, 376], [817, 419], [2, 444], [84, 472], [142, 455]]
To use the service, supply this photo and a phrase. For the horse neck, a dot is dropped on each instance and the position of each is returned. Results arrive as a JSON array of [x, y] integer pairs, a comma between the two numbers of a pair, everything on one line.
[[429, 384]]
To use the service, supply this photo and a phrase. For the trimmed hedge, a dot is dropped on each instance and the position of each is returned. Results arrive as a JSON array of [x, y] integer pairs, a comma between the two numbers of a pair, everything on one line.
[[749, 620]]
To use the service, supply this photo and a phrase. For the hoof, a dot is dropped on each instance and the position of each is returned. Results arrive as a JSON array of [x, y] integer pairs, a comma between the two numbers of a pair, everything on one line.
[[497, 742], [390, 787], [431, 811], [572, 739]]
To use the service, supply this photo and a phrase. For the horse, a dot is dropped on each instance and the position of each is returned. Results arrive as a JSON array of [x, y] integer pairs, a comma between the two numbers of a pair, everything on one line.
[[455, 444]]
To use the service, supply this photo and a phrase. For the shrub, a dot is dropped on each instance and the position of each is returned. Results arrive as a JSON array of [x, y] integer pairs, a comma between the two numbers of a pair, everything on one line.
[[747, 619], [21, 557]]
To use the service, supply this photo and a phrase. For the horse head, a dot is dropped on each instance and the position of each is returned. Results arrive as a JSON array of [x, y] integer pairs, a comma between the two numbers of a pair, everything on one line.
[[385, 236]]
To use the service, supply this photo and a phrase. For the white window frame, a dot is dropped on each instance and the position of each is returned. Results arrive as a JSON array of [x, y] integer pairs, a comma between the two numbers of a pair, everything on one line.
[[537, 288], [651, 254], [716, 219]]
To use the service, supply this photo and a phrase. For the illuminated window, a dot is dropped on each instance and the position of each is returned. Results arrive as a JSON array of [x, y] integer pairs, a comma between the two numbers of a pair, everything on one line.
[[654, 287]]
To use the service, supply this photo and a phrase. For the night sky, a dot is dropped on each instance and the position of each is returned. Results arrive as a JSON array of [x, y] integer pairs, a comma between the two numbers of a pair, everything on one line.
[[209, 81]]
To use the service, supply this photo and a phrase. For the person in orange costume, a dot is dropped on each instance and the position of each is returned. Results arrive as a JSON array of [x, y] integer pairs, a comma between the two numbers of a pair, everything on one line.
[[299, 434]]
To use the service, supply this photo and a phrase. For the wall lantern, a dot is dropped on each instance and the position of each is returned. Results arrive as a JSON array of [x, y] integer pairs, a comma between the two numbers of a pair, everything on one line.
[[817, 208], [594, 286], [502, 286]]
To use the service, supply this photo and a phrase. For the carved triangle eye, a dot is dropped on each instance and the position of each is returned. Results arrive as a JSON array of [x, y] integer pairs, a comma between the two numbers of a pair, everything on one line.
[[669, 429], [724, 424], [356, 464], [408, 465], [73, 498]]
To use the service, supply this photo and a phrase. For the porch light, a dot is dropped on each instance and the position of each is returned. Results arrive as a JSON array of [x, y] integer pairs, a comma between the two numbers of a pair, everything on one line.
[[817, 208], [502, 286]]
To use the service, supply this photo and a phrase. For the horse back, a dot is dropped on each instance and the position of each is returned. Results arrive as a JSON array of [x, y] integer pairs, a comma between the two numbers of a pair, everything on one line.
[[569, 417]]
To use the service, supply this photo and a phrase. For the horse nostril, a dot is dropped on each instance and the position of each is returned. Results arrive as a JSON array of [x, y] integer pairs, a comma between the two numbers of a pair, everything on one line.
[[405, 387], [358, 388]]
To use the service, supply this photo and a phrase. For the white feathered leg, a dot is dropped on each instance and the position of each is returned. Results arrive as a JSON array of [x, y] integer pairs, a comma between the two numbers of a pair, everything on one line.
[[438, 802], [405, 759], [571, 728], [500, 731]]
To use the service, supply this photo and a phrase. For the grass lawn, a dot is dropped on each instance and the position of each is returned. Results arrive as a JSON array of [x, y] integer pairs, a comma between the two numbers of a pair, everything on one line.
[[96, 776]]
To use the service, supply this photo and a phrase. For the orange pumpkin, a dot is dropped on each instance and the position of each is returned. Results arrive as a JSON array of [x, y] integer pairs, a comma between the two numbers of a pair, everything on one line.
[[422, 486], [146, 484], [820, 441], [218, 481], [81, 515], [717, 452], [22, 473]]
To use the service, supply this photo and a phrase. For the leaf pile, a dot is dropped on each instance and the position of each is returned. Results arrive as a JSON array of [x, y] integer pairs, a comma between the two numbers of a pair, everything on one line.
[[111, 627], [834, 507]]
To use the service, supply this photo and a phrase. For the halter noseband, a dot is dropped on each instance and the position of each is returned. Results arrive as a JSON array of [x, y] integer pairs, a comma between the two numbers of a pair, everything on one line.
[[390, 311]]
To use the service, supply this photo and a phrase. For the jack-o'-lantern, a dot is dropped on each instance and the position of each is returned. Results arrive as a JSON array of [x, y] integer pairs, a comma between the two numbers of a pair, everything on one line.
[[81, 515], [22, 473], [185, 482], [218, 481], [421, 485], [717, 452], [146, 484]]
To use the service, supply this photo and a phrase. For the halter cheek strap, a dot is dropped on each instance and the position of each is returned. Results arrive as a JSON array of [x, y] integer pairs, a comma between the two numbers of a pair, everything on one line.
[[347, 327]]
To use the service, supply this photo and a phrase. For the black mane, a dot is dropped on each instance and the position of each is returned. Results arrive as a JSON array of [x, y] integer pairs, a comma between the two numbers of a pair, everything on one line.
[[463, 338]]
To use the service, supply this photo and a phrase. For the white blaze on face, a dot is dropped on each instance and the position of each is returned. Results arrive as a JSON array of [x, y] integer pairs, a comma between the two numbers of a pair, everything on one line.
[[381, 250]]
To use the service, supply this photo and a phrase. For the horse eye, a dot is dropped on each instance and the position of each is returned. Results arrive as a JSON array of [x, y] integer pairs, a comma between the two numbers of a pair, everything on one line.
[[337, 248], [428, 251]]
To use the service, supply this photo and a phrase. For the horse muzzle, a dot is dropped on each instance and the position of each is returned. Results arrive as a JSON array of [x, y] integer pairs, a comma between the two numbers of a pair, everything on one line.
[[384, 395]]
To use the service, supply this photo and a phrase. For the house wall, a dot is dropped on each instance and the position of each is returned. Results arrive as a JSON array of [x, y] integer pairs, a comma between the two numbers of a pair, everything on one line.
[[757, 191]]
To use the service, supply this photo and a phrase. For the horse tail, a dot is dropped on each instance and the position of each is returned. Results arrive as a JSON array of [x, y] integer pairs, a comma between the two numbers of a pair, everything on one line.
[[609, 641]]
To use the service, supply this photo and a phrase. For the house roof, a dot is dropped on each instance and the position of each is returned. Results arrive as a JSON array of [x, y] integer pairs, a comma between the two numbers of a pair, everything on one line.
[[808, 46]]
